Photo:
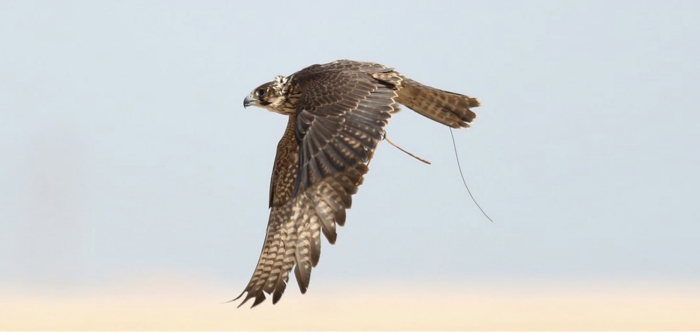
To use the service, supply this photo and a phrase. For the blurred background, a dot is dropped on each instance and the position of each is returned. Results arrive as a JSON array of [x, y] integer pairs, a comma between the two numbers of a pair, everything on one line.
[[134, 185]]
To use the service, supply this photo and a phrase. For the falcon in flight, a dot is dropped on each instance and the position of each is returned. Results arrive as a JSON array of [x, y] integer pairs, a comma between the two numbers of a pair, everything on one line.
[[337, 115]]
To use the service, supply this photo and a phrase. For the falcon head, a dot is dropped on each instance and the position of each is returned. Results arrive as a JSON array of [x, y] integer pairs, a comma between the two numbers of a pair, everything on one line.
[[270, 96]]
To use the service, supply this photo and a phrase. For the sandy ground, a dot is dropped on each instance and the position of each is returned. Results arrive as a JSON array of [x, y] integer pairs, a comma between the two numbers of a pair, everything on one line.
[[197, 305]]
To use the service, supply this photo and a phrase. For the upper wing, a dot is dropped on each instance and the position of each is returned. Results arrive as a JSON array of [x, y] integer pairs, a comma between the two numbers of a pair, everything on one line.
[[340, 119]]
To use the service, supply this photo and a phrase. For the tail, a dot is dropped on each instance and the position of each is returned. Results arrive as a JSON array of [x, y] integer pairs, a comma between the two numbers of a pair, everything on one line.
[[448, 108]]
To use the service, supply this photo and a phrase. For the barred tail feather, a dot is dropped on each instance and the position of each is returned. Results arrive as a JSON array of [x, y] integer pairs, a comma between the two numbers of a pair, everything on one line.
[[449, 108]]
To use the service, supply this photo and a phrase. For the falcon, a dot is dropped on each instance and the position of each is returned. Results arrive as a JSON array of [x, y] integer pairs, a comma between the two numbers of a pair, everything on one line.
[[336, 113]]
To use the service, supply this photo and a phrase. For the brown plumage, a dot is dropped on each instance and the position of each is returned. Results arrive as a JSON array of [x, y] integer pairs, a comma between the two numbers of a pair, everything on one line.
[[337, 114]]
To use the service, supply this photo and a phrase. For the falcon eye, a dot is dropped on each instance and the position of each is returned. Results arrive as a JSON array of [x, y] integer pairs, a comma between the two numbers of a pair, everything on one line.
[[260, 92]]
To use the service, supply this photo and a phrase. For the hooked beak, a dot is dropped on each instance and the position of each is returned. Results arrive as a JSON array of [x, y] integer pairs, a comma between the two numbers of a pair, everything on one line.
[[249, 101]]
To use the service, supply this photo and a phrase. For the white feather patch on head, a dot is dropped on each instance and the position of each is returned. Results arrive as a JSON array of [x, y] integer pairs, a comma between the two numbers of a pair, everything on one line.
[[279, 84]]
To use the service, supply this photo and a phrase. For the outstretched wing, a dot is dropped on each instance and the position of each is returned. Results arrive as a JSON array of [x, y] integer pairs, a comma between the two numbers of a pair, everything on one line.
[[340, 119]]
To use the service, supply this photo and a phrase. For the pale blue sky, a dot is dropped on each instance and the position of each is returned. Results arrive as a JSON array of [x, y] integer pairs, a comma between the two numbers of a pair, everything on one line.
[[125, 147]]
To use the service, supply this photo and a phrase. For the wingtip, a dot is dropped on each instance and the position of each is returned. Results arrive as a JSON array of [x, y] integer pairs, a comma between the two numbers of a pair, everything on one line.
[[279, 290], [237, 297], [248, 297], [258, 299], [330, 235], [303, 278]]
